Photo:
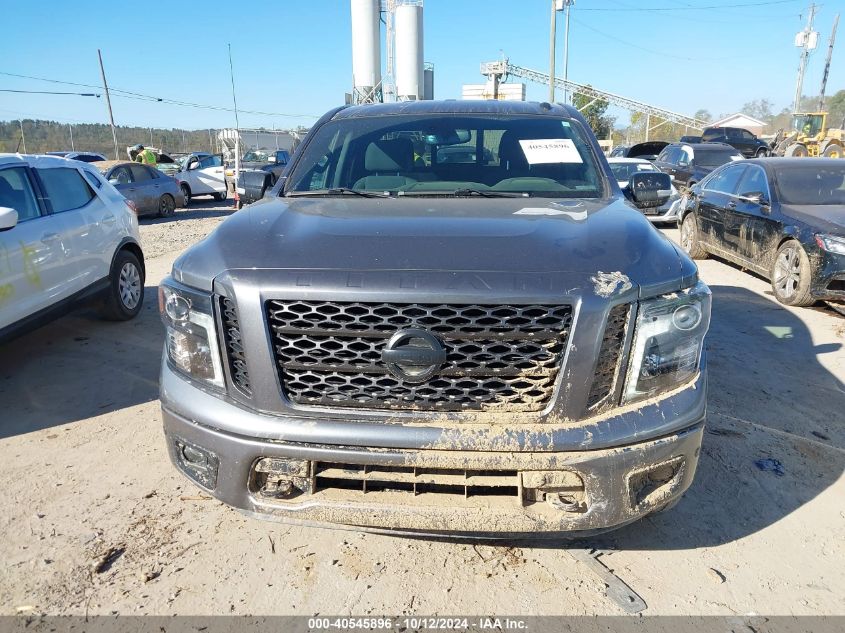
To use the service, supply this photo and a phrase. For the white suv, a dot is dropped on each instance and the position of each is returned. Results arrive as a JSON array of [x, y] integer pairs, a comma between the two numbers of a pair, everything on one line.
[[66, 235]]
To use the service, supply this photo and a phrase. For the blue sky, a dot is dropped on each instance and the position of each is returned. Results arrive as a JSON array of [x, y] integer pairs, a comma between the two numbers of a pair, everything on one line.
[[295, 57]]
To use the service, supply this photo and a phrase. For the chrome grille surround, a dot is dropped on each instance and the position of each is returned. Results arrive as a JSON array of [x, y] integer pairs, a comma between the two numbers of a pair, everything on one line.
[[234, 345]]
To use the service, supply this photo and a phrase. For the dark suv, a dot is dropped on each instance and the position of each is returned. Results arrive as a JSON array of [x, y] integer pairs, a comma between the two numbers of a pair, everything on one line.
[[393, 341], [743, 140], [688, 163]]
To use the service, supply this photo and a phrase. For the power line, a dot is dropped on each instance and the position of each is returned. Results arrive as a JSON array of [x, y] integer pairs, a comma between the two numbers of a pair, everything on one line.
[[145, 97], [49, 92], [660, 53], [689, 8]]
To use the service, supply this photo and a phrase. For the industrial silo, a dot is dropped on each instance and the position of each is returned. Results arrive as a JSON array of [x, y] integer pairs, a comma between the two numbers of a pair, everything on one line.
[[366, 51], [428, 81], [409, 51]]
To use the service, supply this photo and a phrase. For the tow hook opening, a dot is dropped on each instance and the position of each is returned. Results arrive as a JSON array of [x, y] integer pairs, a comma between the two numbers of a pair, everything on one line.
[[563, 490], [279, 478], [655, 484]]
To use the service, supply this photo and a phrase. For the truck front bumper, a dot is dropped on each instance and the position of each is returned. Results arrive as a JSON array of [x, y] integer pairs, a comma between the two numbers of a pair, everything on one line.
[[430, 490]]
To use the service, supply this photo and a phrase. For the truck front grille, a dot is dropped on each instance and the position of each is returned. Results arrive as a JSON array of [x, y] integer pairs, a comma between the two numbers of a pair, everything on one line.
[[369, 479], [498, 357]]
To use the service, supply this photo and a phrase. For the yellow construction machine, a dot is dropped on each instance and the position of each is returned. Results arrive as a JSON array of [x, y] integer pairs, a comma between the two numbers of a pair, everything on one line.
[[810, 136]]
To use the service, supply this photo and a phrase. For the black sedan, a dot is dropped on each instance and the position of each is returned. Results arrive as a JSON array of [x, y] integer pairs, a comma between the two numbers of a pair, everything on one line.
[[782, 218]]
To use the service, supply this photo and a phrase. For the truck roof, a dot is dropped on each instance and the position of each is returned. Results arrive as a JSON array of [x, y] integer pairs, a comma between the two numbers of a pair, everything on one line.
[[454, 107]]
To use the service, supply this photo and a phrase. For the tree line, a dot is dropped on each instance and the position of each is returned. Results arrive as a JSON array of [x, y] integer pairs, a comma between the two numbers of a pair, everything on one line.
[[41, 136]]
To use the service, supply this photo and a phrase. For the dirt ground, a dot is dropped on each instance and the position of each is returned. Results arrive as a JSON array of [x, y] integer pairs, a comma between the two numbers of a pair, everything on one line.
[[95, 520]]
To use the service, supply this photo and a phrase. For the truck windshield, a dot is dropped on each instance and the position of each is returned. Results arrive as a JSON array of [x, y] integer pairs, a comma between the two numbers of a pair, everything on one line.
[[435, 155], [259, 156]]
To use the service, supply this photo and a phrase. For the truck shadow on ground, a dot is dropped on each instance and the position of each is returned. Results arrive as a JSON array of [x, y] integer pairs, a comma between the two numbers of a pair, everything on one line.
[[79, 367]]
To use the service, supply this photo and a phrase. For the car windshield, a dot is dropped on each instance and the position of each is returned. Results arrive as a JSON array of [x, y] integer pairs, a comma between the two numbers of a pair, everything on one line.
[[259, 156], [715, 158], [810, 184], [441, 154], [622, 171]]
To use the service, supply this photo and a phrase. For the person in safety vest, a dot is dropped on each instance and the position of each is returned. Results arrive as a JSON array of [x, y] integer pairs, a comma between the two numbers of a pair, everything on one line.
[[145, 156]]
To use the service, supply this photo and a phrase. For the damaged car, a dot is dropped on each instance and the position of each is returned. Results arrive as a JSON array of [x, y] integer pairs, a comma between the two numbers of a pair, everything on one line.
[[500, 346], [783, 218]]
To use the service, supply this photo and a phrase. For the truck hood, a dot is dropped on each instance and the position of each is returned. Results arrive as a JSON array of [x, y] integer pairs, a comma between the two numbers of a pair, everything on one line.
[[256, 165], [581, 240]]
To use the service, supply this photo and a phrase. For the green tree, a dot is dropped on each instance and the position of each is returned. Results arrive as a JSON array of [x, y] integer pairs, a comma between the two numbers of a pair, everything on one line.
[[759, 109], [703, 115], [595, 112], [835, 105]]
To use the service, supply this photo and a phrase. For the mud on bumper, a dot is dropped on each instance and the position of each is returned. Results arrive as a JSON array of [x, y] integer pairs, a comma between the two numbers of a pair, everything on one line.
[[455, 493]]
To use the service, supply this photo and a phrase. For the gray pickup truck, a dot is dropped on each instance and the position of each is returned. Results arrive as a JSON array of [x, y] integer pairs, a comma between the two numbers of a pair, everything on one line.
[[496, 345]]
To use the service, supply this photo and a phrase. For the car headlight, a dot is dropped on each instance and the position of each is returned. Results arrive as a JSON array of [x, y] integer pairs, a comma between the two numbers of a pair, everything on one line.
[[831, 243], [190, 334], [668, 340]]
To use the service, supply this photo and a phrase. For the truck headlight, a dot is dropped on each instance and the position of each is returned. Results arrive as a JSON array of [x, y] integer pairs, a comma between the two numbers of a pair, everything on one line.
[[190, 336], [667, 343]]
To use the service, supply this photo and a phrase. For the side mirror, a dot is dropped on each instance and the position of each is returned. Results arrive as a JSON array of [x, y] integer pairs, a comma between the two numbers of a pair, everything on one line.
[[8, 218], [193, 165], [114, 181], [648, 189]]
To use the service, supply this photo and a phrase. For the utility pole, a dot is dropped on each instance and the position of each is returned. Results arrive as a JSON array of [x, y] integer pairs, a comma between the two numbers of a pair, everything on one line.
[[552, 38], [108, 103], [23, 138], [807, 40], [827, 62], [151, 137], [566, 5], [237, 131], [70, 127]]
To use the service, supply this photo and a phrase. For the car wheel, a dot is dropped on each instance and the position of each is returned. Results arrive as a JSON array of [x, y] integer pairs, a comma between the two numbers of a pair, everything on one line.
[[126, 288], [761, 153], [186, 191], [166, 206], [791, 275], [689, 238], [221, 196]]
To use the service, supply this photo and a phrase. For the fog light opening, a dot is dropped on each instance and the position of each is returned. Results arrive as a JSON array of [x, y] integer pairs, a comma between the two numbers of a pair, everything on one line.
[[655, 484], [196, 462]]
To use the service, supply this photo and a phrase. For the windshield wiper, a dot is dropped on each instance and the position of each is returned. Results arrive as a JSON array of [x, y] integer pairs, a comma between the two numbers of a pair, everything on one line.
[[466, 192], [491, 194], [339, 191]]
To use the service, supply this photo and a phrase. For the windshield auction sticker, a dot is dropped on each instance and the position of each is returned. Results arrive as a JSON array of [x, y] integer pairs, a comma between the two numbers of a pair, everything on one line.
[[552, 150]]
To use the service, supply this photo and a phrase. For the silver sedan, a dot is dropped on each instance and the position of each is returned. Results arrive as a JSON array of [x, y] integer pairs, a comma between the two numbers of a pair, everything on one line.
[[152, 192]]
